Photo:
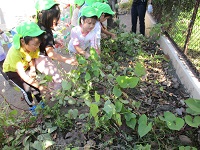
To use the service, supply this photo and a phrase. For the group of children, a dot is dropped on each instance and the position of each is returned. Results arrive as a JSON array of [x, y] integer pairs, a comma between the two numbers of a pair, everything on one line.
[[33, 44]]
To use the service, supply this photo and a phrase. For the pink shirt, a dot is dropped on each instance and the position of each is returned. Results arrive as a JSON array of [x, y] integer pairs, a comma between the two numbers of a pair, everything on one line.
[[81, 40]]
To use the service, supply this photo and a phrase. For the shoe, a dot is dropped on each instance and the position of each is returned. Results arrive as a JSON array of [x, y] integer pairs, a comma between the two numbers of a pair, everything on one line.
[[41, 104], [32, 110]]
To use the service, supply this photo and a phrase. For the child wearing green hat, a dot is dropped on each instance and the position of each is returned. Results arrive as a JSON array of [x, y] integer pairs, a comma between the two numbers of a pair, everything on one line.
[[83, 37], [78, 5], [104, 12], [48, 15], [19, 64]]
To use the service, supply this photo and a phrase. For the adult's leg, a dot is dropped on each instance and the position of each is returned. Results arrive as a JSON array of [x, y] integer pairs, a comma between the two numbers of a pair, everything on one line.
[[134, 16], [141, 13]]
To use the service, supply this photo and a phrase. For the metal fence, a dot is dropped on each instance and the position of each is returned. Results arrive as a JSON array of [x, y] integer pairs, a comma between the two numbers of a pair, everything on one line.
[[181, 21]]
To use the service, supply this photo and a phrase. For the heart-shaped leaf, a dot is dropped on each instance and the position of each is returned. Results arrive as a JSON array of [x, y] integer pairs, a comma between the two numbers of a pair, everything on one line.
[[193, 122]]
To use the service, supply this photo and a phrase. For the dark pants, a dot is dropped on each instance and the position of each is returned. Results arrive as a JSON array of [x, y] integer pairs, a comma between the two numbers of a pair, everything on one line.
[[138, 10], [26, 88]]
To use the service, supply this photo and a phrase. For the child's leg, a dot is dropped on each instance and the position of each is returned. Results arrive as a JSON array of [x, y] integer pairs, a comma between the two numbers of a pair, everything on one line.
[[25, 88], [45, 65]]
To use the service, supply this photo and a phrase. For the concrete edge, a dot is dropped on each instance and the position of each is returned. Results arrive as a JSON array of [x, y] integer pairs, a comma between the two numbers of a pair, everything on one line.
[[185, 75]]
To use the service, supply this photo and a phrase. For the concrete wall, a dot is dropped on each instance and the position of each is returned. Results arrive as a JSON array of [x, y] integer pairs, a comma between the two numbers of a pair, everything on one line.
[[187, 78]]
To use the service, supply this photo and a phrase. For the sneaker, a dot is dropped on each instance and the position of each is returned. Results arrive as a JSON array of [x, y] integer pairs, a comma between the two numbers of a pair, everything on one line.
[[32, 110], [41, 104]]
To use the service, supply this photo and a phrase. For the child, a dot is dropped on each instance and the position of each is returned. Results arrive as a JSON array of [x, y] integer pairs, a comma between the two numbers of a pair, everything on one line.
[[78, 5], [2, 52], [83, 36], [19, 64], [48, 15], [104, 12]]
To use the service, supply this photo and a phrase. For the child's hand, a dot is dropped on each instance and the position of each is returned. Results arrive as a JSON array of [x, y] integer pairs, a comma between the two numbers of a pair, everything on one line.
[[67, 5], [113, 36], [32, 73], [72, 61], [59, 44], [43, 89], [98, 51], [5, 37], [87, 55]]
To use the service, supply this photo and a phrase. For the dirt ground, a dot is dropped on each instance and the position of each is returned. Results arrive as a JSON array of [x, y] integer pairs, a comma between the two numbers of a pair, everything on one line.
[[15, 97]]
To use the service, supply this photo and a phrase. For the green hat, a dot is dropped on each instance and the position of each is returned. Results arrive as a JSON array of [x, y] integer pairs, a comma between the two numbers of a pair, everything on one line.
[[26, 29], [102, 8], [79, 2], [44, 4], [90, 2], [88, 11]]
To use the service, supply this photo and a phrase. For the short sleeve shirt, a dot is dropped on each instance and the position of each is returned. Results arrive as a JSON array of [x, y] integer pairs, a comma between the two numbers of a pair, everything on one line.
[[15, 56], [78, 39], [48, 41]]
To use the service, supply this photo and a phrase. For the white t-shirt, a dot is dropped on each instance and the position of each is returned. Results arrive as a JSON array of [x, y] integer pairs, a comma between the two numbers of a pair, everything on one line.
[[97, 29], [78, 39]]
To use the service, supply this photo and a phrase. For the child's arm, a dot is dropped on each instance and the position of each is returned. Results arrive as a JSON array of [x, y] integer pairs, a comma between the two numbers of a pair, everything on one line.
[[32, 72], [81, 51], [53, 55], [30, 80], [108, 33], [4, 36]]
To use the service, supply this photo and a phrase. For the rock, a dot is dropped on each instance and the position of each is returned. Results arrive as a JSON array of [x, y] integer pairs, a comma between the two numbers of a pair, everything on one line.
[[182, 102], [180, 111], [185, 140]]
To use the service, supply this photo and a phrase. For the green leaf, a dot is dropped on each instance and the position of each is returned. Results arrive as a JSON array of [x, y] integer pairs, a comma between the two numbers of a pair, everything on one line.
[[86, 98], [136, 41], [71, 101], [118, 106], [194, 104], [25, 141], [13, 112], [173, 122], [117, 92], [124, 101], [52, 129], [187, 148], [73, 113], [140, 69], [143, 129], [97, 97], [94, 109], [109, 108], [168, 116], [66, 85], [118, 119], [131, 123], [177, 124], [47, 143], [87, 77], [48, 78], [37, 145], [128, 116], [127, 82], [190, 111], [142, 119], [81, 60], [82, 116], [102, 74], [193, 122]]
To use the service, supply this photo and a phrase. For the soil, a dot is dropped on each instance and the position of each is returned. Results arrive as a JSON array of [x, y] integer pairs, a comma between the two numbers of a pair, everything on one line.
[[154, 102]]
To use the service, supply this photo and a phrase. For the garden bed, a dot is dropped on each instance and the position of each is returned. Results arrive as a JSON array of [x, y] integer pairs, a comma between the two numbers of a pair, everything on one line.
[[113, 102]]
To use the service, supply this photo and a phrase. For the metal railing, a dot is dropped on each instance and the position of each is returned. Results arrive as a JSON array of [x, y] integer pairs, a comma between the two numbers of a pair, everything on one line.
[[181, 21]]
